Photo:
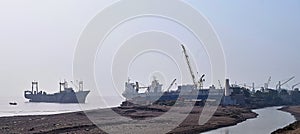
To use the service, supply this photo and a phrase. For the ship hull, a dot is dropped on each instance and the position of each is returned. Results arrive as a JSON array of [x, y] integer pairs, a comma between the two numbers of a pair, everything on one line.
[[174, 95], [62, 97]]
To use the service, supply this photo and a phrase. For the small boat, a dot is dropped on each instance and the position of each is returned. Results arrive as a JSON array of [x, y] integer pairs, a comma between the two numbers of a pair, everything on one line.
[[13, 103]]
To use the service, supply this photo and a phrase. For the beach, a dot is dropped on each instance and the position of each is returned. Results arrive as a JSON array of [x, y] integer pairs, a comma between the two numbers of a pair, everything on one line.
[[78, 122]]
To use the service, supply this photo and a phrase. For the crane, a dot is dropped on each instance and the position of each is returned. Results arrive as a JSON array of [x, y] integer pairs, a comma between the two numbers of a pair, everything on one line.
[[268, 83], [77, 87], [77, 84], [278, 86], [168, 89], [295, 85], [138, 87], [220, 84], [197, 84], [189, 65], [201, 80]]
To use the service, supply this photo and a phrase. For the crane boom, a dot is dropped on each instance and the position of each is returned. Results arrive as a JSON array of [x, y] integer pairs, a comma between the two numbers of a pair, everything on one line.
[[171, 85], [295, 85], [287, 81], [283, 83], [189, 65]]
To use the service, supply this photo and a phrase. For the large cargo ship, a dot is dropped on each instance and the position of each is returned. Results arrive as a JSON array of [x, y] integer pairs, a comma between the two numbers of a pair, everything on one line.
[[66, 94], [190, 92], [154, 93]]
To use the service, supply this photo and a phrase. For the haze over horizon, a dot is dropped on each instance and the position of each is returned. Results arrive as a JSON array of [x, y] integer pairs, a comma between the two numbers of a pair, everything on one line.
[[38, 39]]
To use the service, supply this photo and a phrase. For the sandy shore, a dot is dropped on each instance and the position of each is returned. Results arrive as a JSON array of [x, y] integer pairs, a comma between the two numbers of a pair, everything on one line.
[[293, 128], [78, 122]]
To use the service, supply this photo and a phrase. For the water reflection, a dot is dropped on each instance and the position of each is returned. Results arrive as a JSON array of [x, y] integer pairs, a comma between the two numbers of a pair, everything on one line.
[[268, 120]]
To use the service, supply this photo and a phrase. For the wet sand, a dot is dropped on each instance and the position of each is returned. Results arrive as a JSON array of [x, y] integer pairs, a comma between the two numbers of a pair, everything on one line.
[[78, 122]]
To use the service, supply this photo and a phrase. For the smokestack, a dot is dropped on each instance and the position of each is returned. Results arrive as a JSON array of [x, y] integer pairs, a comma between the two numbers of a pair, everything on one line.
[[227, 88]]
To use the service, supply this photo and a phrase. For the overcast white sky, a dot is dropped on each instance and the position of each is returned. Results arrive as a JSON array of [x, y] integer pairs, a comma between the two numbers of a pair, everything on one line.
[[38, 39]]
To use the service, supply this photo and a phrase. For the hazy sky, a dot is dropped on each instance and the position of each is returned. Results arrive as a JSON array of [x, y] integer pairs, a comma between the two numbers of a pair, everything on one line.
[[260, 37], [38, 39]]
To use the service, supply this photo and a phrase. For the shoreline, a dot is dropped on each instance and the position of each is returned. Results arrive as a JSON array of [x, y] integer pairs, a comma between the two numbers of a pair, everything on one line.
[[37, 114], [78, 122], [293, 128]]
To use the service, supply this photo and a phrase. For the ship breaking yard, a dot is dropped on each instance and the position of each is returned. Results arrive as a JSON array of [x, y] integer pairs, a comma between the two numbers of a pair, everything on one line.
[[230, 104]]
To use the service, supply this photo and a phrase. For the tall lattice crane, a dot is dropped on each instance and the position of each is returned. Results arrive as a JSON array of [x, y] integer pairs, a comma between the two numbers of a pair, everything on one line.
[[189, 65], [197, 84]]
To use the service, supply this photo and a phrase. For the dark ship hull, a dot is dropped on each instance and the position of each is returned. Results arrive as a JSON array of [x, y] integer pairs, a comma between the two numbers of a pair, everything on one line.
[[62, 97], [66, 94], [154, 93]]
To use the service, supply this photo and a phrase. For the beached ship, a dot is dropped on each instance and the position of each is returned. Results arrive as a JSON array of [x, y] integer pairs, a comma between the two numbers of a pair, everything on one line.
[[191, 92], [66, 94], [154, 93]]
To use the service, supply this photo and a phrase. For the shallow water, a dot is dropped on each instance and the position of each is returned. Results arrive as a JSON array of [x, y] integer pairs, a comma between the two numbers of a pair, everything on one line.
[[268, 120], [28, 108]]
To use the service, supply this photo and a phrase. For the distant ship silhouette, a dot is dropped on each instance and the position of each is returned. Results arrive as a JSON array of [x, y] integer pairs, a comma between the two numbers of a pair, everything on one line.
[[67, 95]]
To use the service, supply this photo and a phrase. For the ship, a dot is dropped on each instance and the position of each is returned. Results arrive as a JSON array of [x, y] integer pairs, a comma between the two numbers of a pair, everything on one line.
[[66, 94], [155, 93], [190, 92]]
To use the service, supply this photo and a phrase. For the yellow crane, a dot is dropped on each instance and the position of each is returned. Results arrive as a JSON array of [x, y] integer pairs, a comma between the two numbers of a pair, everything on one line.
[[189, 65], [197, 84]]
